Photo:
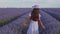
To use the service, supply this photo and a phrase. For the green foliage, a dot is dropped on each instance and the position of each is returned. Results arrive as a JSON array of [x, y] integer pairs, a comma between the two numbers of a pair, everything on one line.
[[59, 32], [7, 20]]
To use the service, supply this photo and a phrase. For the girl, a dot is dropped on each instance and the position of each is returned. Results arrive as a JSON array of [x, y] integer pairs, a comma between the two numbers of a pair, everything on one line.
[[33, 20]]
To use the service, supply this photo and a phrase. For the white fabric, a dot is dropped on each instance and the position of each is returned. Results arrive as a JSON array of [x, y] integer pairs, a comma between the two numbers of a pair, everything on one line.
[[29, 14], [35, 6], [33, 27]]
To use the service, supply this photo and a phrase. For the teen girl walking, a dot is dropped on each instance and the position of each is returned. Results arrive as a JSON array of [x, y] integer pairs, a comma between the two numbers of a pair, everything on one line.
[[33, 21]]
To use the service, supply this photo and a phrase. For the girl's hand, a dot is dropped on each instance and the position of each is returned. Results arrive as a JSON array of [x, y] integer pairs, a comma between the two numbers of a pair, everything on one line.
[[43, 27], [24, 24]]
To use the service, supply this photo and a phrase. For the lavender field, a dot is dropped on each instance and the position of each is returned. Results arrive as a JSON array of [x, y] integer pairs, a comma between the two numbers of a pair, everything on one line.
[[55, 12], [11, 20]]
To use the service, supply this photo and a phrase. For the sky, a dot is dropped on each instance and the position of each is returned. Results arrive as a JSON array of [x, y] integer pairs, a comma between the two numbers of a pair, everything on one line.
[[29, 3]]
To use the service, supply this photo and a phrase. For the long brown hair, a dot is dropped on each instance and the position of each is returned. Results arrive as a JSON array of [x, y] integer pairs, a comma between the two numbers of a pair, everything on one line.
[[35, 14]]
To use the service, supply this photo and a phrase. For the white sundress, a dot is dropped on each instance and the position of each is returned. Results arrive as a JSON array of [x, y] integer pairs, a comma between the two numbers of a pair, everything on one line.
[[33, 27]]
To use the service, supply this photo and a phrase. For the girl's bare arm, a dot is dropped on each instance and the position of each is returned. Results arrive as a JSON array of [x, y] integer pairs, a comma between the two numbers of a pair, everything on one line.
[[27, 21], [42, 25]]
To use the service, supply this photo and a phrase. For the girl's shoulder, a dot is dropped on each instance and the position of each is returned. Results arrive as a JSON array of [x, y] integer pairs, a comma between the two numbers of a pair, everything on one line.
[[29, 14], [39, 15]]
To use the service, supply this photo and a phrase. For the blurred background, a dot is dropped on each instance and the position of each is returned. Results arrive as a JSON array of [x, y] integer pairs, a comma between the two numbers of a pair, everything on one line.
[[15, 12]]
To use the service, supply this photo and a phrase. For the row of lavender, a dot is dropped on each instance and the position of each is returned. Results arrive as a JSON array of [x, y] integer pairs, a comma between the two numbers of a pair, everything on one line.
[[15, 27], [9, 14], [55, 12], [52, 25]]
